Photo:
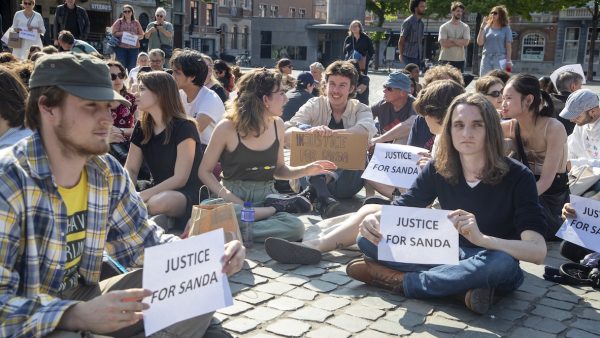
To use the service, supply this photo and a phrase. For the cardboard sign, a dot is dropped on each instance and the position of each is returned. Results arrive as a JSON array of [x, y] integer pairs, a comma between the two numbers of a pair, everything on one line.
[[417, 236], [346, 150], [576, 68], [186, 280], [394, 164], [27, 35], [129, 39], [585, 229]]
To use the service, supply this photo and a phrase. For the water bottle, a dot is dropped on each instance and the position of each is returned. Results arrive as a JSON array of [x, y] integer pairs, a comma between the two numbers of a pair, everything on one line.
[[247, 221], [396, 195]]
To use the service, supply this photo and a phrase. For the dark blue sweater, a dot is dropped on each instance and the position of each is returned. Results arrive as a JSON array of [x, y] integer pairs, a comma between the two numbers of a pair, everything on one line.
[[503, 210]]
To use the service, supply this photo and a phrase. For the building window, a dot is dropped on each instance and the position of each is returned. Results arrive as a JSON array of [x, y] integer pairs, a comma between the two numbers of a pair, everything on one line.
[[571, 45], [274, 11], [302, 13], [223, 38], [246, 38], [210, 15], [178, 5], [265, 44], [223, 3], [532, 48], [234, 37], [247, 4], [596, 47], [194, 9], [262, 8], [292, 12]]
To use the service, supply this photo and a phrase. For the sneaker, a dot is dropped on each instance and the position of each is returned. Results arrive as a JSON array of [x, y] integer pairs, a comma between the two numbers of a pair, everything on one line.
[[294, 204], [376, 200], [327, 207], [479, 300], [291, 253], [310, 193], [372, 273]]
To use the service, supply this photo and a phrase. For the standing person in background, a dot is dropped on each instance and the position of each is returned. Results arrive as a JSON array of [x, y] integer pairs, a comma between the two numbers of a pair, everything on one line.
[[72, 18], [454, 37], [495, 36], [358, 46], [127, 54], [410, 45], [28, 20], [160, 33]]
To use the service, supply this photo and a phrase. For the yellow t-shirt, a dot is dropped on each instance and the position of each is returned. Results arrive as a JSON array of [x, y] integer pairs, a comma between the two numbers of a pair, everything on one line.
[[76, 201]]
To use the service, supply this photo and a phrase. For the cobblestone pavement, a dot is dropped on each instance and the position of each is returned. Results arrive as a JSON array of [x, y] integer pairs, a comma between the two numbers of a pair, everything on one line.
[[273, 299]]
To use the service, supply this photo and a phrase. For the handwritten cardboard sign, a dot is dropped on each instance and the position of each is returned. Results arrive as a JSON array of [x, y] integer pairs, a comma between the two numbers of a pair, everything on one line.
[[28, 35], [129, 39], [186, 280], [394, 164], [585, 229], [418, 236], [576, 68], [346, 150]]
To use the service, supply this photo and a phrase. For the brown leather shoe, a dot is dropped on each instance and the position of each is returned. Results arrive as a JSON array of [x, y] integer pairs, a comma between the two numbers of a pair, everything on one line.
[[370, 272], [479, 300]]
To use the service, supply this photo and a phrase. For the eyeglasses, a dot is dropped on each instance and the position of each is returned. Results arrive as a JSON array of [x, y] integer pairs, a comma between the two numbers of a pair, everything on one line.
[[495, 93], [387, 88], [289, 66], [127, 11], [494, 13], [159, 15], [119, 75]]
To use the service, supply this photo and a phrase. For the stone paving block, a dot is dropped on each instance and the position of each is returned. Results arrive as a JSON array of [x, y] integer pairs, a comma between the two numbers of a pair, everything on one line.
[[508, 314], [236, 308], [263, 314], [289, 327], [556, 314], [349, 323], [247, 278], [544, 324], [514, 304], [390, 328], [328, 265], [418, 306], [475, 332], [285, 303], [593, 314], [406, 319], [363, 311], [220, 317], [337, 257], [258, 254], [330, 303], [311, 313], [524, 296], [264, 335], [591, 326], [253, 297], [274, 288], [235, 287], [249, 264], [592, 295], [329, 332], [303, 294], [371, 334], [378, 303], [460, 313], [336, 278], [354, 292], [266, 272], [568, 289], [281, 266], [441, 324], [532, 289], [429, 333], [241, 325], [320, 286], [293, 279], [556, 304], [562, 296], [527, 332], [309, 271], [576, 333], [493, 324]]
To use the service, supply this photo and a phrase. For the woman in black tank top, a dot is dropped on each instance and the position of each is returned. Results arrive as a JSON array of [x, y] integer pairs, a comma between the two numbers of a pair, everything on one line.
[[247, 144]]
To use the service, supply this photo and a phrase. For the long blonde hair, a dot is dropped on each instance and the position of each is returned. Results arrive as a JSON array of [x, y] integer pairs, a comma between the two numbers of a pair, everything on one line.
[[248, 109], [164, 87]]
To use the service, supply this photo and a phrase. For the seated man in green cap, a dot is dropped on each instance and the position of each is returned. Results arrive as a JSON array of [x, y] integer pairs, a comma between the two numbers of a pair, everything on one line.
[[63, 202]]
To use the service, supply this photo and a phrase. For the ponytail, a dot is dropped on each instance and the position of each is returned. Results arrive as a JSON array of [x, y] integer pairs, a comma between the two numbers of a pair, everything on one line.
[[548, 106]]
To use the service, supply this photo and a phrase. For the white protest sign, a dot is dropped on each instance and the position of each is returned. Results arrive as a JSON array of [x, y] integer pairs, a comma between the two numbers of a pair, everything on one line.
[[394, 164], [27, 35], [417, 235], [585, 229], [576, 68], [186, 280], [129, 39]]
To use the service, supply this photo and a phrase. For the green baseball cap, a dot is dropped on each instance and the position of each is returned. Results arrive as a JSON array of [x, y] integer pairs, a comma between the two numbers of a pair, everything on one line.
[[81, 75]]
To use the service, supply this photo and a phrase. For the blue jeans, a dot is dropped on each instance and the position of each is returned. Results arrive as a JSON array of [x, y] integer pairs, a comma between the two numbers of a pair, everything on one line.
[[348, 183], [477, 268], [127, 56]]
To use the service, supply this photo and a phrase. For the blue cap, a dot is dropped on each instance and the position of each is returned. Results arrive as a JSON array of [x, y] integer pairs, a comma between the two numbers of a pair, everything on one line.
[[398, 80]]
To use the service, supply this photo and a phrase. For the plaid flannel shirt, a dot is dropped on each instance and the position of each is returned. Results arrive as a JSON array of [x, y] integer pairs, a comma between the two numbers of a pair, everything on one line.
[[33, 225]]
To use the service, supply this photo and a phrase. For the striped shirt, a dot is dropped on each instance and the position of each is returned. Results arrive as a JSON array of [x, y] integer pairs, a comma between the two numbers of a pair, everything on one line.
[[33, 228], [412, 31]]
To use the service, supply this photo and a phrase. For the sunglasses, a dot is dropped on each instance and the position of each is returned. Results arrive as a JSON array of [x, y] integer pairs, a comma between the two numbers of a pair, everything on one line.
[[495, 93], [159, 15], [126, 11], [119, 75]]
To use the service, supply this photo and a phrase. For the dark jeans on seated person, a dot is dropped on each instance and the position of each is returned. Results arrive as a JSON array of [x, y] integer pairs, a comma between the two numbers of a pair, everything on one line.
[[478, 268], [347, 184]]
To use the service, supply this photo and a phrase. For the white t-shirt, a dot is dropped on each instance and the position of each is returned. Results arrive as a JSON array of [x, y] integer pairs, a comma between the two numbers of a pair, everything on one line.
[[208, 103], [584, 145]]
